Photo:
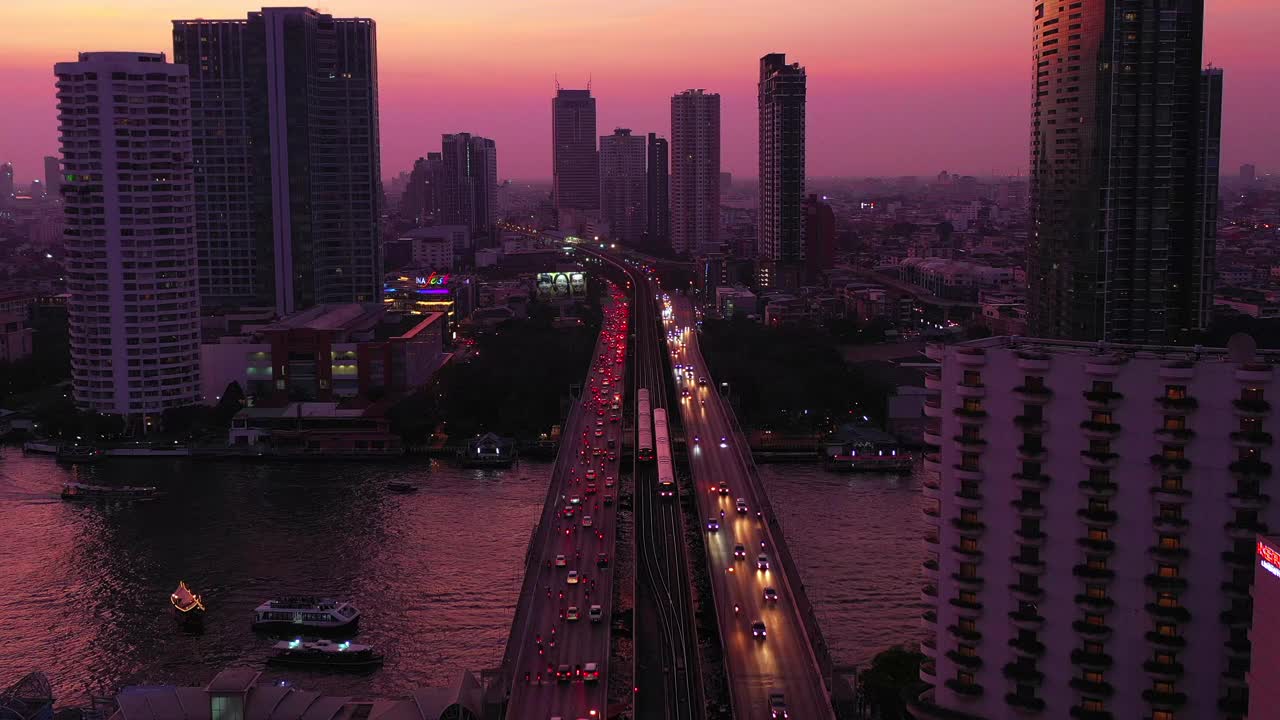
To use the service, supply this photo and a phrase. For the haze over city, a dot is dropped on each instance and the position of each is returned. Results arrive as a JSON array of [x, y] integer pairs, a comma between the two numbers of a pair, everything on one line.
[[895, 88]]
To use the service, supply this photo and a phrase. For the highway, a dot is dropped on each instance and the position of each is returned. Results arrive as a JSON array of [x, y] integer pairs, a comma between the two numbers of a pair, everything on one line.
[[668, 680], [579, 524], [781, 661]]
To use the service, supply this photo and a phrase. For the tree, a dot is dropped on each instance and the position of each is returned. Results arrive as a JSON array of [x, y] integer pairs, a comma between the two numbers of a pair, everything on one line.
[[891, 674]]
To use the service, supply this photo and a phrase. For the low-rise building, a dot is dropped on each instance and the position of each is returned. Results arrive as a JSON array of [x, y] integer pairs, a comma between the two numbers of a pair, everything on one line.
[[735, 301], [15, 335]]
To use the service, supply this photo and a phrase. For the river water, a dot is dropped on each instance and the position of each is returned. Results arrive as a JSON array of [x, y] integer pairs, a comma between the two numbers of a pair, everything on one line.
[[84, 586]]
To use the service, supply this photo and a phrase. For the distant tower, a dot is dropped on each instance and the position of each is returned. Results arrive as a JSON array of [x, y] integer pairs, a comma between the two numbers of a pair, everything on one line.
[[1121, 175], [781, 222], [130, 236], [6, 181], [575, 165], [1248, 173], [658, 195], [695, 172], [470, 183], [622, 185], [52, 176]]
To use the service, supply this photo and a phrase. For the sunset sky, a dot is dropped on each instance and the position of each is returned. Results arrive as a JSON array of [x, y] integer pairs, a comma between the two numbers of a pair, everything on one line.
[[895, 87]]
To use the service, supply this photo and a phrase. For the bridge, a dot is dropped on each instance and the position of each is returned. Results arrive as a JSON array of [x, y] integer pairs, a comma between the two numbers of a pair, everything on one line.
[[774, 653]]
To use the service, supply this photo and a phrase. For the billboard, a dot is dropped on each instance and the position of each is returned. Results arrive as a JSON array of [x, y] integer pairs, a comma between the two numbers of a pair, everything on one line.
[[561, 285]]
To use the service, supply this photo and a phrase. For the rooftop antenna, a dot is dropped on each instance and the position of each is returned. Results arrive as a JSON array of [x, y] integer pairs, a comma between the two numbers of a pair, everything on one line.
[[588, 82], [557, 77]]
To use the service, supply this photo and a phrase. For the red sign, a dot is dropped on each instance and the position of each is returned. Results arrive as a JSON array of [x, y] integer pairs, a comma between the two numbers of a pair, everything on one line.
[[1268, 554]]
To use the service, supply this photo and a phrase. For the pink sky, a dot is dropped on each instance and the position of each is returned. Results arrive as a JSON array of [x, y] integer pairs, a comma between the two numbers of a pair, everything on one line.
[[894, 87]]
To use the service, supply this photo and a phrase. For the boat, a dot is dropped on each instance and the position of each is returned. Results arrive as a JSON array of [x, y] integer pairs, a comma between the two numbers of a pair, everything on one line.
[[80, 454], [858, 448], [81, 491], [314, 615], [187, 606], [325, 654], [402, 486]]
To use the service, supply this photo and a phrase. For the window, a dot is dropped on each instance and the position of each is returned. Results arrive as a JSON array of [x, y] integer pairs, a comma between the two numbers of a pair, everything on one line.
[[964, 678], [968, 625], [1167, 600], [1099, 534], [1097, 505], [1167, 629], [1096, 562], [1170, 512], [1094, 648], [968, 570], [1098, 476], [967, 650], [969, 516], [969, 544], [1034, 382], [226, 707], [1097, 592], [1171, 482], [1092, 705], [1170, 542], [1102, 386], [1167, 571], [971, 432], [1162, 715], [1100, 447], [1175, 422], [972, 378], [1094, 676], [969, 597], [1251, 394], [1175, 392], [973, 404], [1170, 452], [968, 461], [1094, 619]]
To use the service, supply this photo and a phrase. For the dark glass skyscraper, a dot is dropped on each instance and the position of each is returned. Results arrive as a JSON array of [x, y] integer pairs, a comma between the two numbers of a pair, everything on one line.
[[623, 185], [695, 172], [780, 240], [470, 188], [574, 163], [657, 192], [285, 134], [422, 198], [1124, 171]]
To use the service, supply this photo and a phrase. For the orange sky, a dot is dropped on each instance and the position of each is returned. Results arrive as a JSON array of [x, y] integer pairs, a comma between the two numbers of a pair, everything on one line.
[[895, 87]]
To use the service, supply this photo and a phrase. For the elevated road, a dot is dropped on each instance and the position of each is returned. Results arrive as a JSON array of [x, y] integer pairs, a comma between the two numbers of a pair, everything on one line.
[[552, 658]]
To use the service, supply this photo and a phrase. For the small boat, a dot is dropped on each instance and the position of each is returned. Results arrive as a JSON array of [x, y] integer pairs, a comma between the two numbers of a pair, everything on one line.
[[187, 606], [81, 491], [325, 654], [401, 486], [80, 454], [313, 615]]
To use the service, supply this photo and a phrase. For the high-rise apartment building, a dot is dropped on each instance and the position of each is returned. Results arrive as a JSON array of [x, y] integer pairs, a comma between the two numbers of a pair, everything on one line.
[[1123, 171], [285, 133], [623, 185], [658, 195], [695, 172], [1092, 512], [52, 176], [780, 239], [6, 181], [423, 197], [575, 166], [124, 125], [819, 237], [470, 188]]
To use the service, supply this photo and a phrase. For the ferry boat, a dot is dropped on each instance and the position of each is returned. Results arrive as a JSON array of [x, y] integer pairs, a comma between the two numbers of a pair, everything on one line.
[[865, 449], [81, 491], [80, 454], [325, 654], [187, 607], [315, 615]]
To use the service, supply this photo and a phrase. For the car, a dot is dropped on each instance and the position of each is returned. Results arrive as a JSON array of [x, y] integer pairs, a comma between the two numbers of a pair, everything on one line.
[[602, 560], [770, 595], [778, 707], [613, 418], [572, 579], [560, 561], [724, 441], [571, 613], [757, 629], [563, 673], [591, 490], [762, 562], [724, 488], [613, 455], [739, 552], [713, 524], [608, 499], [599, 432], [591, 474], [587, 521], [595, 613], [684, 393], [741, 505], [574, 499], [702, 381], [591, 672], [568, 511], [600, 422], [608, 480]]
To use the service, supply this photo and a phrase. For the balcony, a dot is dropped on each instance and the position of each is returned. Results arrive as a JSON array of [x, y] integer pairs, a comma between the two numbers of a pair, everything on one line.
[[1031, 537], [1088, 687], [1032, 395], [1029, 510], [929, 594], [1032, 453], [1165, 612], [962, 634], [1240, 649], [1233, 705], [1093, 631], [1079, 713], [1254, 373], [932, 436], [1094, 604], [1245, 529], [1249, 501], [1170, 464], [1030, 648], [974, 555], [1163, 670], [976, 390], [1180, 370], [1026, 620], [1170, 525], [1090, 661], [959, 688], [971, 357], [1250, 469], [929, 569], [1174, 436], [1033, 362], [1032, 705], [1252, 439], [1084, 572], [1182, 404], [968, 417], [1031, 425], [967, 582], [932, 462], [929, 648], [1164, 583], [1098, 489], [971, 443], [1237, 561], [1105, 518], [1172, 642], [1251, 408], [1170, 496], [971, 662], [931, 541], [969, 527], [1023, 674], [1099, 460], [931, 512], [1164, 700], [1030, 566], [1027, 593], [968, 500], [929, 671], [1169, 554], [1103, 366], [1102, 399], [1031, 482], [929, 617], [1100, 429], [967, 472], [933, 407], [1096, 546], [970, 608], [935, 351], [933, 379]]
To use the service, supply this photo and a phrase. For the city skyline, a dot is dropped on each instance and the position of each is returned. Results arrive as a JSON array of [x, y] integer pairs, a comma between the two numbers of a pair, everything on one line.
[[875, 73]]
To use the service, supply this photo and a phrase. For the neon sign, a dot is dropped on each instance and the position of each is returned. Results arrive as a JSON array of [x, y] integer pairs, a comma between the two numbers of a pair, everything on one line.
[[1270, 559], [432, 280]]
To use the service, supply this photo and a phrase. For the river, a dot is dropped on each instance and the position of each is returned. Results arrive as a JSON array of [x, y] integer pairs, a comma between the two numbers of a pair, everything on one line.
[[84, 586]]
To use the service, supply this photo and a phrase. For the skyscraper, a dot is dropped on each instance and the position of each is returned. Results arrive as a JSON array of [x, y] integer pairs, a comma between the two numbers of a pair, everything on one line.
[[285, 132], [623, 185], [657, 193], [1123, 127], [470, 183], [780, 240], [819, 237], [422, 197], [124, 124], [695, 172], [6, 181], [575, 165], [52, 176]]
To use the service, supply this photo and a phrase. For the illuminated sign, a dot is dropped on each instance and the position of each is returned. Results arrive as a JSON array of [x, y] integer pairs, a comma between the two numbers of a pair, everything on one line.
[[558, 285], [1270, 559], [432, 280]]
